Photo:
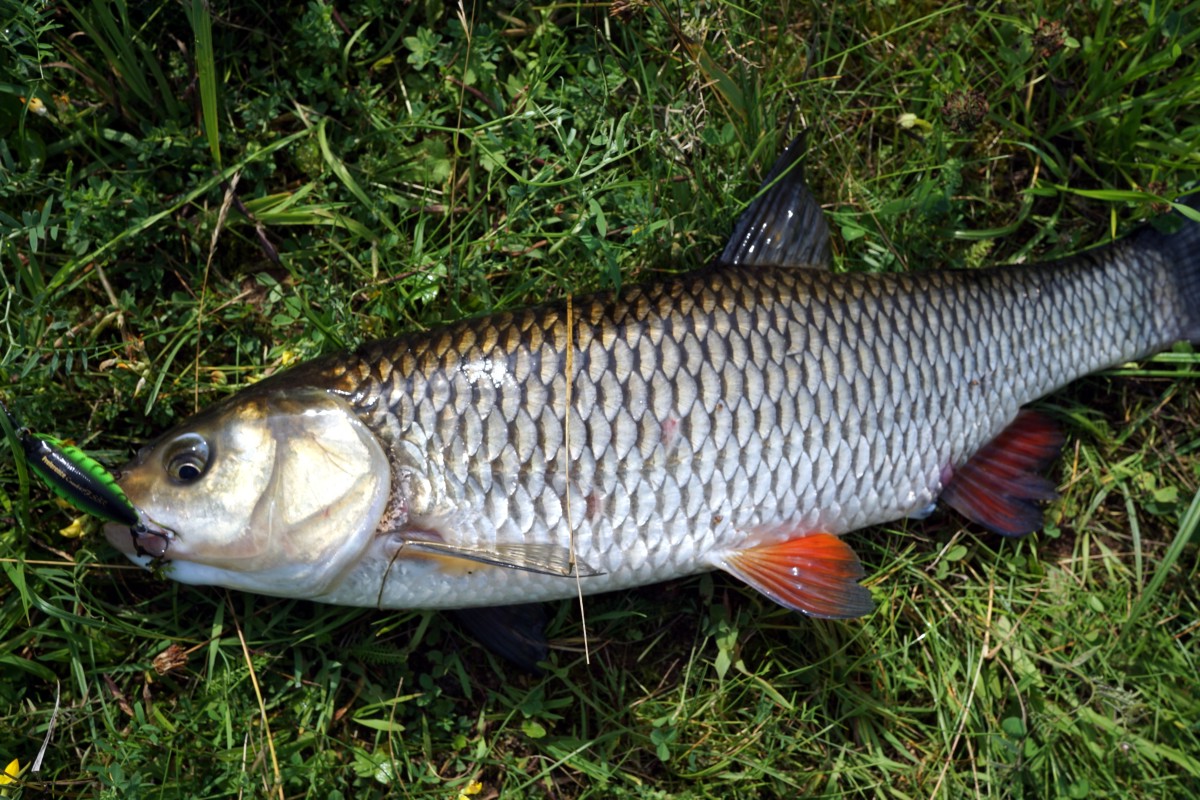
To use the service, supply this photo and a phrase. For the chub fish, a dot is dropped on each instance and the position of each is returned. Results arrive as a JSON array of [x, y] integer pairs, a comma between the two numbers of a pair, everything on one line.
[[742, 417]]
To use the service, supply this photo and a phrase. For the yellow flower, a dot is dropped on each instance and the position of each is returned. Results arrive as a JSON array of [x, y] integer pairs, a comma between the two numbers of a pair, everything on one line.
[[11, 772], [475, 787], [36, 106], [75, 530]]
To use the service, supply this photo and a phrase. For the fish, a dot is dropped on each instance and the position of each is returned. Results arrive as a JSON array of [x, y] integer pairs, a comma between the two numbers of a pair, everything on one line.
[[743, 417]]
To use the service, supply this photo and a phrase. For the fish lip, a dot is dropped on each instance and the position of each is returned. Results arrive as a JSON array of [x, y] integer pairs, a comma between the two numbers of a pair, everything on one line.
[[151, 539]]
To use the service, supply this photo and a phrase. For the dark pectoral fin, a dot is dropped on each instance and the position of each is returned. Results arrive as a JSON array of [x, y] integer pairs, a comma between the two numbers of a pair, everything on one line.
[[544, 559], [816, 574], [1001, 486], [515, 633], [784, 226]]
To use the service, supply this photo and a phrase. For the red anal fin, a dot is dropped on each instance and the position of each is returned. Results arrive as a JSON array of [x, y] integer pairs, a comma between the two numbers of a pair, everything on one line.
[[816, 574], [1001, 485]]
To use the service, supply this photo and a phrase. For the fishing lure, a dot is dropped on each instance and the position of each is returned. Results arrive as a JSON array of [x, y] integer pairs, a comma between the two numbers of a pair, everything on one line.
[[79, 479]]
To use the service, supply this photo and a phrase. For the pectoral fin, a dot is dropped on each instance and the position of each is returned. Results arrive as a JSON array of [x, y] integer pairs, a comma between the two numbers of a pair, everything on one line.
[[544, 559], [816, 574]]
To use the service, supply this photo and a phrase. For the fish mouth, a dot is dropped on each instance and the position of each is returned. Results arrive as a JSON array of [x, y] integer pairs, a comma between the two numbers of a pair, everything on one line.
[[146, 539]]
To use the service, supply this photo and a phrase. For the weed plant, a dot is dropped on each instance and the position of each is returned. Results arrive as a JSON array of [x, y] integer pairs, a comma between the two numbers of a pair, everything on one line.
[[196, 194]]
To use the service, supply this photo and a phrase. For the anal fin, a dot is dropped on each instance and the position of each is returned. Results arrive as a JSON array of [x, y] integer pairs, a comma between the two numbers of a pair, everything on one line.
[[1001, 486], [816, 574]]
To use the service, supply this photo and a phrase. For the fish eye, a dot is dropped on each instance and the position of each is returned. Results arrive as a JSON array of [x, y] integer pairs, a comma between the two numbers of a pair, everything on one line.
[[187, 458]]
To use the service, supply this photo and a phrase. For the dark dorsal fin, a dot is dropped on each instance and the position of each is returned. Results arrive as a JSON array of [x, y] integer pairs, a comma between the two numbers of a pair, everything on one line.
[[784, 226]]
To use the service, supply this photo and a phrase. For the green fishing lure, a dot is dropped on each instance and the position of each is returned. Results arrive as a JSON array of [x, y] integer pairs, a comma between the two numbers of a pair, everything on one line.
[[75, 476]]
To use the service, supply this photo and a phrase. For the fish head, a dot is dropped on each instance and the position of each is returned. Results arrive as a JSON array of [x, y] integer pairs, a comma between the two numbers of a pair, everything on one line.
[[277, 492]]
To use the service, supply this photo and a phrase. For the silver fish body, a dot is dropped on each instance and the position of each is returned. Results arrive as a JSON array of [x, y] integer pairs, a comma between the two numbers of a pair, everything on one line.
[[726, 419]]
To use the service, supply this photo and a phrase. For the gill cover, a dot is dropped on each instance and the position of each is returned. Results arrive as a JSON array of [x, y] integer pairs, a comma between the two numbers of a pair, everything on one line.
[[276, 493]]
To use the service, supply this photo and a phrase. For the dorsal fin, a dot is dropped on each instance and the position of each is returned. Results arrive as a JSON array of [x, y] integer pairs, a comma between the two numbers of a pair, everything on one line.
[[784, 226]]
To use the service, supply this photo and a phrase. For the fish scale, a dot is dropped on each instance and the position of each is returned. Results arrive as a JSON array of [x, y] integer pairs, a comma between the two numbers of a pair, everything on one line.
[[742, 417]]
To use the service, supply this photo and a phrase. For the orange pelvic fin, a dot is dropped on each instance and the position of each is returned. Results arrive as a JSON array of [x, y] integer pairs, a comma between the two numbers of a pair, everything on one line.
[[1001, 485], [816, 574]]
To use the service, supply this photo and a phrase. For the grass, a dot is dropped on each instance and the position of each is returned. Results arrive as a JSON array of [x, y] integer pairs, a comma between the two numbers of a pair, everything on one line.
[[218, 190]]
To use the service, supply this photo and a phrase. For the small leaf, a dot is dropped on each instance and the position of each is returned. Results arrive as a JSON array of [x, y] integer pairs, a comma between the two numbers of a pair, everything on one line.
[[385, 773], [722, 663], [385, 725], [533, 729], [956, 553], [598, 215], [1013, 726], [850, 232], [1167, 494]]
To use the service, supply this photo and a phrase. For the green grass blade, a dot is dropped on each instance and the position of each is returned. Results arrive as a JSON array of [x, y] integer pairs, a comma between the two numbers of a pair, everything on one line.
[[343, 174], [1189, 523], [200, 17]]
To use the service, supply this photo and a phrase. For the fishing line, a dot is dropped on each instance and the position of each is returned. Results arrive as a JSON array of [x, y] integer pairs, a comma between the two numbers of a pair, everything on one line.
[[587, 653], [262, 706]]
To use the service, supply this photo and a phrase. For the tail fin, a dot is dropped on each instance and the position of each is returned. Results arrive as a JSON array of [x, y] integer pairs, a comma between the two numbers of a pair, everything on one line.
[[1180, 247]]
